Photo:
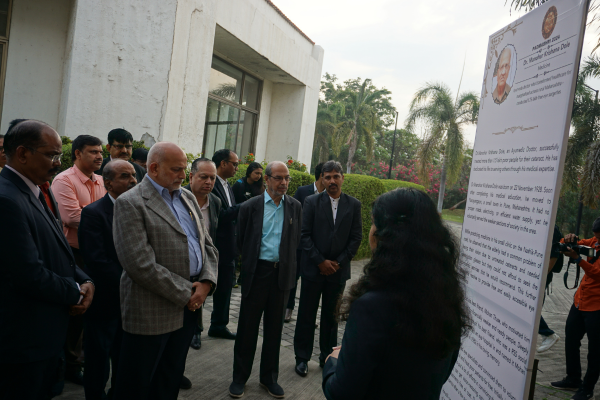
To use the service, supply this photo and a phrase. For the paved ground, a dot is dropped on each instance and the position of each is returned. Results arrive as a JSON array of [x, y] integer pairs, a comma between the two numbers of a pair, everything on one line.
[[210, 368]]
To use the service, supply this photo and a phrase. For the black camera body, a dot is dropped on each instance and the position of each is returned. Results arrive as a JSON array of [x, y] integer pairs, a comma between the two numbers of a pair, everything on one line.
[[579, 249]]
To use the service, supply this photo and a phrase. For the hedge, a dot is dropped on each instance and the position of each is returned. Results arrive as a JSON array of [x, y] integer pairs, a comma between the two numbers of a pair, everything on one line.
[[298, 178], [391, 184]]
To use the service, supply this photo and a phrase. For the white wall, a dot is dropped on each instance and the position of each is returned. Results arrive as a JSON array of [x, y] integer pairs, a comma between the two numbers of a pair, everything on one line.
[[118, 67], [34, 69], [285, 123]]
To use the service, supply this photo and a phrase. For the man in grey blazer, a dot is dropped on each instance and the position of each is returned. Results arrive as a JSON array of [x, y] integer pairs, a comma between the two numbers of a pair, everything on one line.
[[169, 267], [269, 236]]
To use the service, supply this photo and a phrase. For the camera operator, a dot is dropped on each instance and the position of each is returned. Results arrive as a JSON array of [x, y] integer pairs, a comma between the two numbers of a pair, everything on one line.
[[584, 317]]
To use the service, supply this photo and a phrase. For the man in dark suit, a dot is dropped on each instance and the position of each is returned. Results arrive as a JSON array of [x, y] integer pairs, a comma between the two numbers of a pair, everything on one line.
[[203, 175], [120, 145], [40, 283], [227, 165], [103, 329], [331, 236], [269, 236], [301, 194]]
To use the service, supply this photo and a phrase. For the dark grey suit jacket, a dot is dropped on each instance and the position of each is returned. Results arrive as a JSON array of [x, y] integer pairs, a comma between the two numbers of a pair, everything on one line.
[[322, 240], [250, 221]]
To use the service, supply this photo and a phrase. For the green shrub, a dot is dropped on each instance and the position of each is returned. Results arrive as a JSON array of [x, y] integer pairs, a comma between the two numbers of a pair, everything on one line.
[[391, 184], [366, 189]]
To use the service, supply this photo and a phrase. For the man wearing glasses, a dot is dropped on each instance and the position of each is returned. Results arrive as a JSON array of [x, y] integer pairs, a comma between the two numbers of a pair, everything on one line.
[[227, 165], [120, 146], [269, 236], [2, 155]]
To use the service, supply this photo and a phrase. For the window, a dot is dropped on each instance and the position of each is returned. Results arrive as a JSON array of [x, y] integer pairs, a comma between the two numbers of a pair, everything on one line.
[[5, 7], [232, 110]]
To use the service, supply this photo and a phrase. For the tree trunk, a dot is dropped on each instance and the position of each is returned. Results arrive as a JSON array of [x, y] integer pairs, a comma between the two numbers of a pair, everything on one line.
[[442, 188], [457, 204], [352, 151]]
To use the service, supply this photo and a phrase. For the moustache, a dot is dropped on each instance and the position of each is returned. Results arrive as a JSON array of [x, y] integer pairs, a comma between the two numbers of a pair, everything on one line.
[[131, 185], [53, 171], [333, 185]]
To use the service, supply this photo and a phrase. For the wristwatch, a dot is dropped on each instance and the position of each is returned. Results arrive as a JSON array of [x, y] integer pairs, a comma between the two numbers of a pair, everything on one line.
[[212, 285], [578, 260], [88, 281]]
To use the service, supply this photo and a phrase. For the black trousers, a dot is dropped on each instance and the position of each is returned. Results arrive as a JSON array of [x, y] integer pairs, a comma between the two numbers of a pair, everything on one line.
[[291, 304], [102, 343], [151, 366], [266, 298], [74, 342], [578, 324], [222, 296], [28, 381], [310, 294]]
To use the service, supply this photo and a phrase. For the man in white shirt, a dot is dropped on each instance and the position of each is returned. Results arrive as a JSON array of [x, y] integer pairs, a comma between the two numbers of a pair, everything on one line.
[[227, 165], [301, 194]]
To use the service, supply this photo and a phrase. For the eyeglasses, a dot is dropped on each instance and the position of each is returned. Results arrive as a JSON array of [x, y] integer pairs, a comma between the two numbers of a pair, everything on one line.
[[235, 164], [121, 146], [281, 178], [54, 157]]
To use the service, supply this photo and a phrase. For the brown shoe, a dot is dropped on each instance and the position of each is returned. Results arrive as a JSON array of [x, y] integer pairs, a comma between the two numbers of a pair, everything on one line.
[[288, 315]]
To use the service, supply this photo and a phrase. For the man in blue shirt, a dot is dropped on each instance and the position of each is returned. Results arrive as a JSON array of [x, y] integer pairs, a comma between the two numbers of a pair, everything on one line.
[[269, 236]]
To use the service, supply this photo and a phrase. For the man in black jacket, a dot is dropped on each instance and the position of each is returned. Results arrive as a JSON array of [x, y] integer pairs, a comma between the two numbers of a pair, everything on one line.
[[40, 284], [102, 323], [227, 165], [203, 175], [331, 236], [269, 235], [301, 194], [120, 145]]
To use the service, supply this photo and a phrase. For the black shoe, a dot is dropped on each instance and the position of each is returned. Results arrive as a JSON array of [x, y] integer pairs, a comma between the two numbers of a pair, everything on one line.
[[236, 390], [274, 390], [223, 333], [301, 368], [288, 315], [567, 383], [583, 394], [75, 377], [196, 343], [185, 383]]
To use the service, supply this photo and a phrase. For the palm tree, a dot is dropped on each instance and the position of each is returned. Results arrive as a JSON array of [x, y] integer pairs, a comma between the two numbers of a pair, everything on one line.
[[328, 131], [582, 163], [444, 118], [364, 107]]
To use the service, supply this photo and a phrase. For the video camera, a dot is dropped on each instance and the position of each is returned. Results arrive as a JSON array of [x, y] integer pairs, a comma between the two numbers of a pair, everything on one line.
[[579, 249]]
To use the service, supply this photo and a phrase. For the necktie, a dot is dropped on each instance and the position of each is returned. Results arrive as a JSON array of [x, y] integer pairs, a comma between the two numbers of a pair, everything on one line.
[[231, 197], [45, 205]]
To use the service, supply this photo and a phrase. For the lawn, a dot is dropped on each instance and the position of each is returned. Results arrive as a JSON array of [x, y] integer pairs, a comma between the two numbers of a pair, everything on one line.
[[454, 216]]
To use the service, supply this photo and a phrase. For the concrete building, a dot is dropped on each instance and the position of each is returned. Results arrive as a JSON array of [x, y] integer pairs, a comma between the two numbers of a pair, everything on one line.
[[205, 74]]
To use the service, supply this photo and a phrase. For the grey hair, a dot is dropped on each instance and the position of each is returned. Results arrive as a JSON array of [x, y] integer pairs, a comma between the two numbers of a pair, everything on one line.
[[270, 165], [155, 154], [332, 166], [196, 164]]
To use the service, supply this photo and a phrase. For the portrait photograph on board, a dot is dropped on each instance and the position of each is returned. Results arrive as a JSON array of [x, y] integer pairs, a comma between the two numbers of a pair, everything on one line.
[[504, 73]]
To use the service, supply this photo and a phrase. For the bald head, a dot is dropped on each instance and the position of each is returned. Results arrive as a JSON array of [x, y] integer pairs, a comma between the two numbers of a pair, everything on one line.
[[119, 177], [166, 165], [277, 178]]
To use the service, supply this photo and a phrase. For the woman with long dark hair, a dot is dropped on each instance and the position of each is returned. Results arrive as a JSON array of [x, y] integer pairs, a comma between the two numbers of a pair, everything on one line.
[[250, 186], [407, 314]]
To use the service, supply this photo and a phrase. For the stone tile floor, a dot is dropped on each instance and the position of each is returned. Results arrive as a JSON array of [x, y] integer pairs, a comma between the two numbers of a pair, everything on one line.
[[210, 368]]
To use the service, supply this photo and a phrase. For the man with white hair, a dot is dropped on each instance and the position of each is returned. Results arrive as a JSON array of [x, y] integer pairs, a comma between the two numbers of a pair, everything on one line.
[[169, 267], [502, 88]]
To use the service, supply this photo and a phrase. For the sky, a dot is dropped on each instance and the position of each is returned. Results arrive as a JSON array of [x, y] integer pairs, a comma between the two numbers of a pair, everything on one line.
[[401, 45]]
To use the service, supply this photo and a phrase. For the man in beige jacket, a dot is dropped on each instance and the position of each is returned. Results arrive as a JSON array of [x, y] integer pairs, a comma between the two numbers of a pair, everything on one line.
[[169, 267]]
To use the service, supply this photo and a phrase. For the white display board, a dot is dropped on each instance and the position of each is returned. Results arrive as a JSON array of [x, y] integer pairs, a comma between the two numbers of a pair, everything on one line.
[[526, 101]]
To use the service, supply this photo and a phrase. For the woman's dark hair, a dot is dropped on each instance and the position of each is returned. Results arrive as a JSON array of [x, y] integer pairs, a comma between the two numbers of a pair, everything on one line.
[[257, 187], [416, 264]]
